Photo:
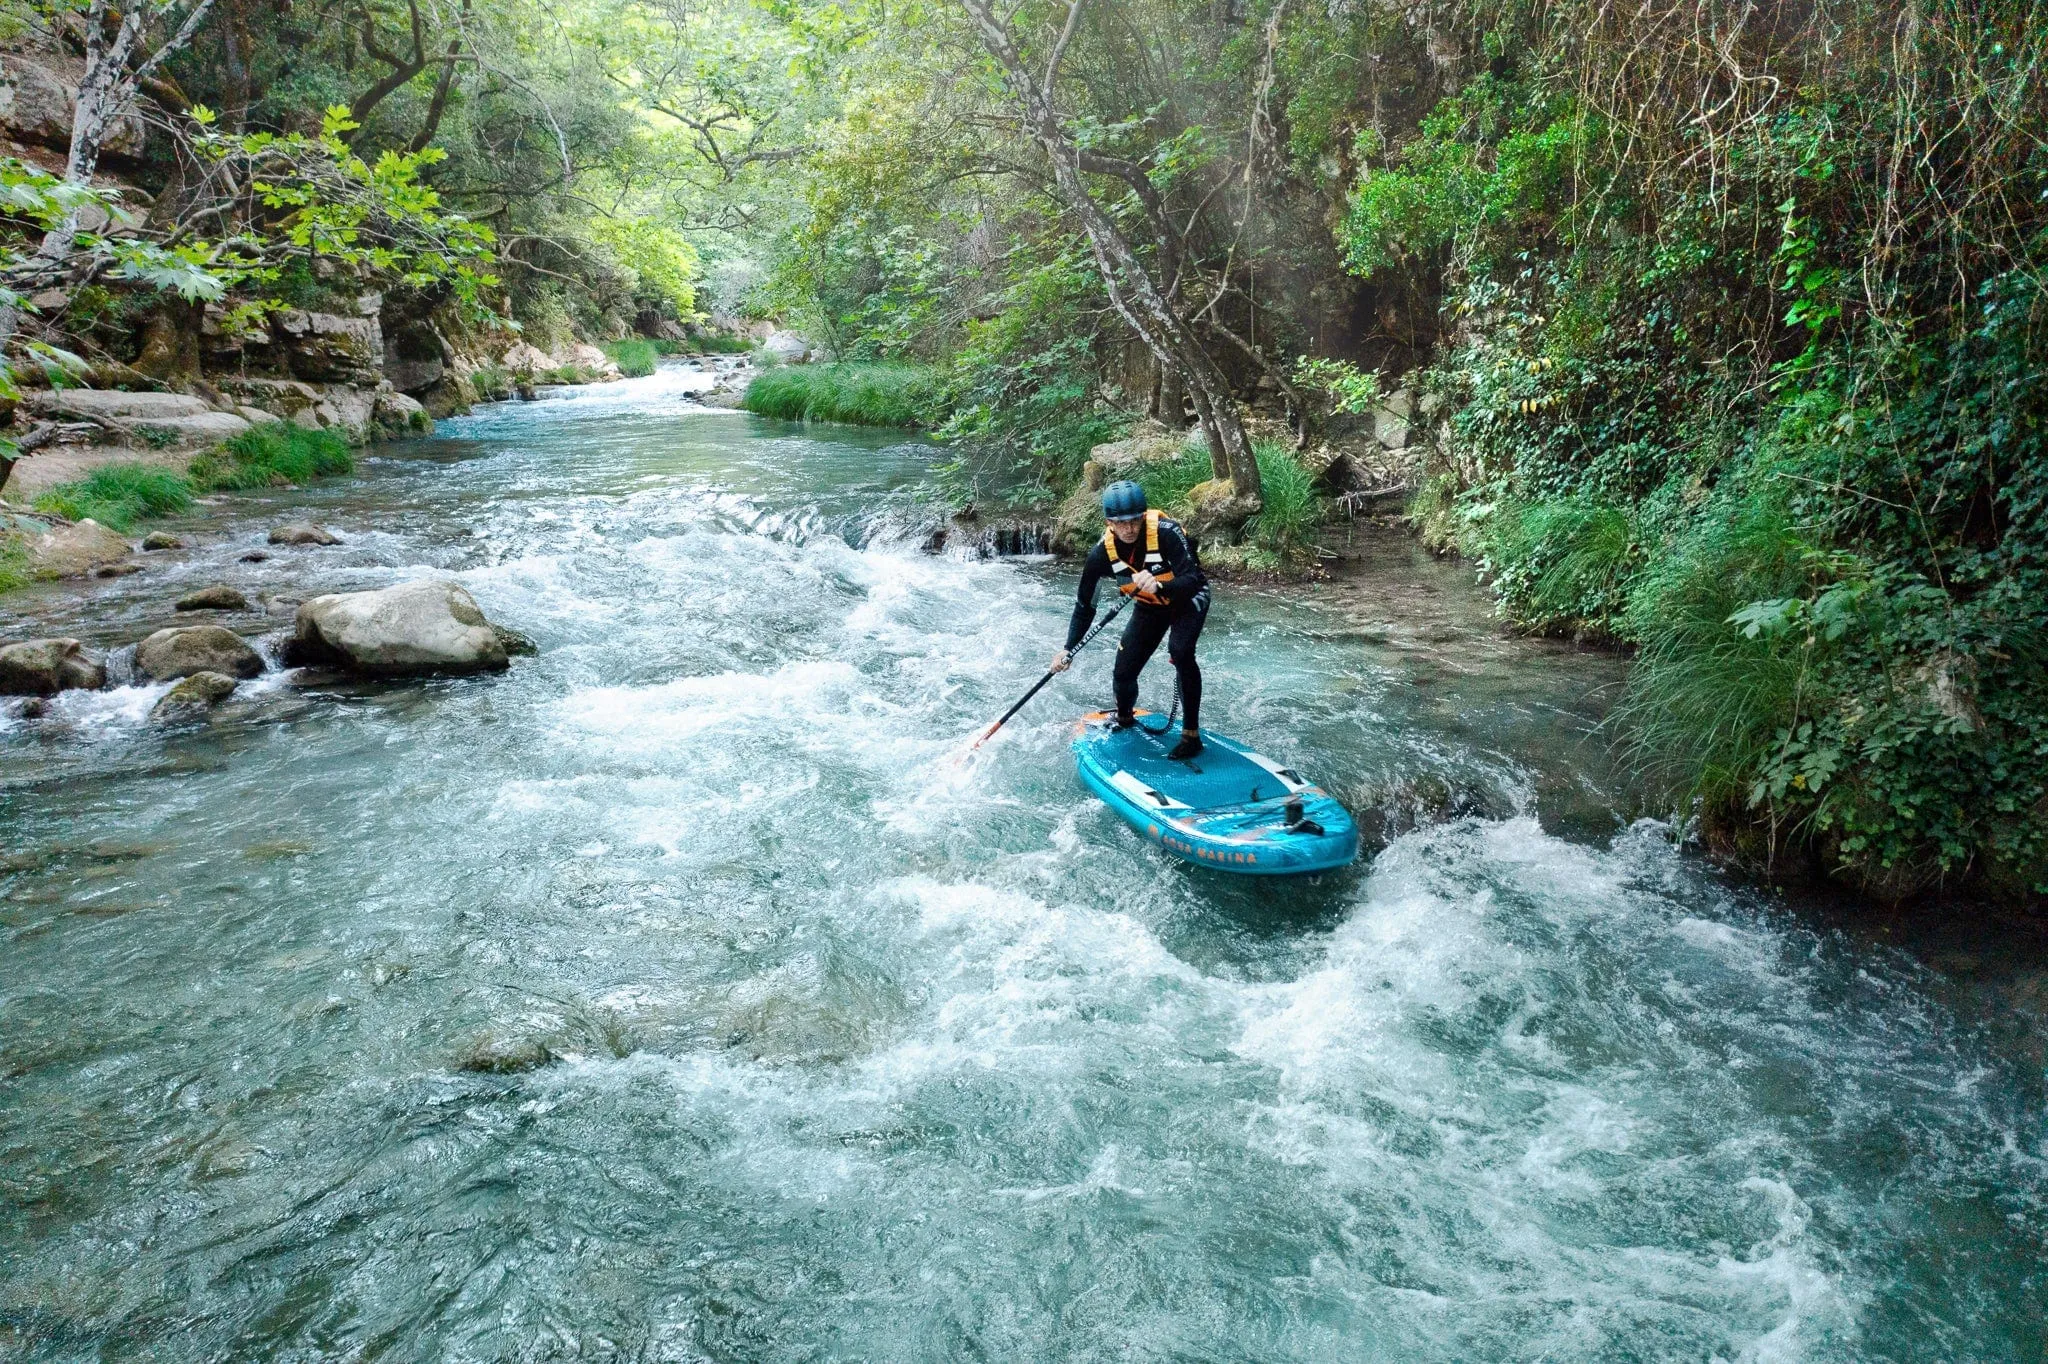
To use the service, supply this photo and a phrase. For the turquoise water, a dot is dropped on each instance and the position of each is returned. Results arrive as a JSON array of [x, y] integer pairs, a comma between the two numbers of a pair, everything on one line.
[[865, 1052]]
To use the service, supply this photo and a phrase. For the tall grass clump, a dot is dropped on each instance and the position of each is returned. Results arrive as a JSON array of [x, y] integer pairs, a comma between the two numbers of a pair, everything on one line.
[[1562, 564], [1168, 482], [635, 358], [1285, 529], [119, 495], [1707, 702], [724, 345], [13, 561], [1291, 511], [864, 394], [272, 455]]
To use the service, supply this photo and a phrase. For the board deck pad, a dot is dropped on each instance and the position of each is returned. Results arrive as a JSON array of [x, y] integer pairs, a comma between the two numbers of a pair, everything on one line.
[[1226, 808]]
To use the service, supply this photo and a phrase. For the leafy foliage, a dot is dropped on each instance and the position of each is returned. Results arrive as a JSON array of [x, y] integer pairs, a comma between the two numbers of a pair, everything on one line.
[[1716, 391]]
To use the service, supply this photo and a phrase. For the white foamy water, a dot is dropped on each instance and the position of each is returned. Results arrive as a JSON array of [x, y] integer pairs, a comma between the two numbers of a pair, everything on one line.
[[866, 1049]]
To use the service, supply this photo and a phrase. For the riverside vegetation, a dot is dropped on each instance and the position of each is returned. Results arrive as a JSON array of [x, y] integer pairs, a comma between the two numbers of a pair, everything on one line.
[[1709, 333]]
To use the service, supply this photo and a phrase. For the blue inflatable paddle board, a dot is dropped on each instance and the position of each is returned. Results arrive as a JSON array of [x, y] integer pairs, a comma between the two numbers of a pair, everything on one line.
[[1228, 807]]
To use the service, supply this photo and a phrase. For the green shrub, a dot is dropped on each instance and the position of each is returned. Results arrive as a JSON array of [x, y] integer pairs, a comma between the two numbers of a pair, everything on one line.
[[119, 495], [635, 358], [491, 383], [864, 394], [271, 455], [724, 345]]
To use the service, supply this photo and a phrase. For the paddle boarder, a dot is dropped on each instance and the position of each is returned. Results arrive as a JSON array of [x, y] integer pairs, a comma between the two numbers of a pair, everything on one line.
[[1153, 563]]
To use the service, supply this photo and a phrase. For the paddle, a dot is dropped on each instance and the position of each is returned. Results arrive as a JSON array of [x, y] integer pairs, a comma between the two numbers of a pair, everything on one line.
[[1050, 674]]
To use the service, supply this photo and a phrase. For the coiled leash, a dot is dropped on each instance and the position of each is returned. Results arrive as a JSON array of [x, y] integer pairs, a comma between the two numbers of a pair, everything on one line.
[[1171, 715]]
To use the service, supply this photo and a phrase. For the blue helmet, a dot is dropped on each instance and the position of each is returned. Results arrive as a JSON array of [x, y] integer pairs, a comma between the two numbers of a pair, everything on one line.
[[1123, 499]]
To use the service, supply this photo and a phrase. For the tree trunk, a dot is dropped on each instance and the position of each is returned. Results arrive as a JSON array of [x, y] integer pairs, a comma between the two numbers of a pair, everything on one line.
[[106, 93], [1132, 291], [1170, 403]]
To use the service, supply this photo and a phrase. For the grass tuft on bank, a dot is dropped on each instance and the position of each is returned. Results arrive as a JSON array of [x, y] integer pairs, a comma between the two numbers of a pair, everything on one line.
[[1284, 531], [636, 359], [272, 455], [119, 495], [861, 394], [13, 561]]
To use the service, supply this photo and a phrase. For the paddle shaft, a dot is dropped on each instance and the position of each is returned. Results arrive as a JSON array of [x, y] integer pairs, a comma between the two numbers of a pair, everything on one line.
[[1050, 674]]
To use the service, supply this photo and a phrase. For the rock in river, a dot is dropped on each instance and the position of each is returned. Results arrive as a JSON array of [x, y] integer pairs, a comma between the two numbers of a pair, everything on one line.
[[44, 667], [162, 539], [506, 1055], [219, 597], [181, 651], [412, 629], [194, 696], [75, 550], [303, 533]]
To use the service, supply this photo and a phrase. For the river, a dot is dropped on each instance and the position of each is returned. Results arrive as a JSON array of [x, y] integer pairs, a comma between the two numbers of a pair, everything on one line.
[[865, 1052]]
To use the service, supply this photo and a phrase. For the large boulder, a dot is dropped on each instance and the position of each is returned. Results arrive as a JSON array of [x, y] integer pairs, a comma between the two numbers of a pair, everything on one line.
[[430, 626], [159, 420], [183, 650], [110, 406], [194, 696], [591, 360], [397, 415], [330, 347], [1148, 443], [413, 358], [348, 410], [37, 105], [788, 347], [527, 360], [44, 667], [75, 550]]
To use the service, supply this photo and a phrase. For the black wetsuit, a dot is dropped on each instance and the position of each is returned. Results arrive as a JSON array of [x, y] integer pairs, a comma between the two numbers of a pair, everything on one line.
[[1179, 621]]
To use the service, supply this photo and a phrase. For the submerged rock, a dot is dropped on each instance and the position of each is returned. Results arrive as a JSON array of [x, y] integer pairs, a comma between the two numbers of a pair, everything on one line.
[[44, 667], [413, 629], [516, 644], [183, 650], [303, 533], [75, 550], [219, 597], [195, 695], [506, 1055]]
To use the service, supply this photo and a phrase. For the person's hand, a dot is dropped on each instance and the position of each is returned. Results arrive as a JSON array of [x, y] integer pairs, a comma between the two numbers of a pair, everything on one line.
[[1061, 661], [1144, 581]]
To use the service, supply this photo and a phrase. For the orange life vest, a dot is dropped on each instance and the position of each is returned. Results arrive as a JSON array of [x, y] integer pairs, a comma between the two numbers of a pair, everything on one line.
[[1155, 562]]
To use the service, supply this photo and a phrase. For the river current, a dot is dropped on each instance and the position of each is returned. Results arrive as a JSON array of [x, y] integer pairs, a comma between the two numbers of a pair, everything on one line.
[[862, 1051]]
